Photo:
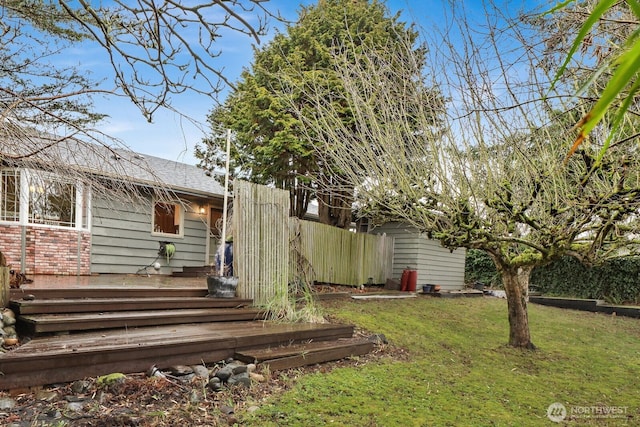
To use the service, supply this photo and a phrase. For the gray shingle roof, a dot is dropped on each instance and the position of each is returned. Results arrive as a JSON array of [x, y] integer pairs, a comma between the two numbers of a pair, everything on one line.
[[116, 163], [180, 177]]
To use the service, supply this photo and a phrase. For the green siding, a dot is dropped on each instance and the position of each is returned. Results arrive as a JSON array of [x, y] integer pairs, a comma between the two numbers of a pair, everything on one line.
[[122, 241], [435, 264]]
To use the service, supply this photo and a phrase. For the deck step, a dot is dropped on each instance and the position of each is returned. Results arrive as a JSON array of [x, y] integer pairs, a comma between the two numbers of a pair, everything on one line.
[[305, 354], [107, 292], [48, 360], [38, 324], [86, 305], [203, 271]]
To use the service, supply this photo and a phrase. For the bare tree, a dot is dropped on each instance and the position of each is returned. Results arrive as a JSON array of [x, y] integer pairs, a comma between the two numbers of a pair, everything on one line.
[[495, 179], [154, 50]]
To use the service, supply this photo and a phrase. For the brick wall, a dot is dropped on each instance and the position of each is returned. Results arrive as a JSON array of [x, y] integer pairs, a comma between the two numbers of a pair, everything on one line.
[[48, 250], [10, 244]]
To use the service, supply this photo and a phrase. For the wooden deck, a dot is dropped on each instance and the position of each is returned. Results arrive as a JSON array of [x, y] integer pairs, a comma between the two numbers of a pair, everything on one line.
[[89, 332], [69, 357]]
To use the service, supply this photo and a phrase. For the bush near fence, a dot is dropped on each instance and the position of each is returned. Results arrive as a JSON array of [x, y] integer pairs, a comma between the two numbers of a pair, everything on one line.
[[615, 281], [478, 267]]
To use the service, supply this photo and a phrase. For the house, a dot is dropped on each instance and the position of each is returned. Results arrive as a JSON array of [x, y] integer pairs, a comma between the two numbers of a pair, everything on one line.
[[434, 264], [54, 222]]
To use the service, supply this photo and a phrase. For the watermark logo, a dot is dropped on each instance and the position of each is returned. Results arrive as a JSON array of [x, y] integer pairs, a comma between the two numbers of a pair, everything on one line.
[[556, 412]]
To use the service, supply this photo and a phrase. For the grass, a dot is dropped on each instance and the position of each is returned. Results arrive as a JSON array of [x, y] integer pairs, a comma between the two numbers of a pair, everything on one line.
[[460, 373]]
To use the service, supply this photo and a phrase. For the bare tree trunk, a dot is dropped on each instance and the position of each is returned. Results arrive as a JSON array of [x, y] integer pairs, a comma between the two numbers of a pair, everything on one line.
[[334, 204], [299, 198], [516, 286], [334, 211]]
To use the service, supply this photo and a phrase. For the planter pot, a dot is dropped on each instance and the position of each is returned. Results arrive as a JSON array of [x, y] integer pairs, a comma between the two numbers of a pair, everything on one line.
[[222, 286]]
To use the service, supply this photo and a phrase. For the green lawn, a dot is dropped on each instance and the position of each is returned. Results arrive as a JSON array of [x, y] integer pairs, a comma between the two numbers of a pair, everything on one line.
[[460, 373]]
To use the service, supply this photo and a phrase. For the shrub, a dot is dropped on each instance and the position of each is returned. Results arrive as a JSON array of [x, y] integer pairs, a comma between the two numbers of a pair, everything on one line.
[[480, 268], [616, 280]]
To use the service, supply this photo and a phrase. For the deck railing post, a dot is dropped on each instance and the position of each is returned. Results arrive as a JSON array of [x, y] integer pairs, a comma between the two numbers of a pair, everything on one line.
[[4, 282]]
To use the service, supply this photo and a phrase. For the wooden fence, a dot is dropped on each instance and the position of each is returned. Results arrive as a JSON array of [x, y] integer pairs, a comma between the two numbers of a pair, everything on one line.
[[272, 250], [342, 257], [260, 241]]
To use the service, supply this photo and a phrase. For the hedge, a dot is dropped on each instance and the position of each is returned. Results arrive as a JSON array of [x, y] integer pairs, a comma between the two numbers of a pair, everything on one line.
[[616, 280]]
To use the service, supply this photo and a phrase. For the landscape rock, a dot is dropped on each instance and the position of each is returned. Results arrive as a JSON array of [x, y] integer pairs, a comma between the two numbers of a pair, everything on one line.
[[224, 373], [241, 379], [227, 410], [257, 377], [179, 370], [215, 384], [201, 371], [239, 369], [46, 395], [378, 339], [80, 387], [8, 317], [75, 406], [194, 397], [7, 403]]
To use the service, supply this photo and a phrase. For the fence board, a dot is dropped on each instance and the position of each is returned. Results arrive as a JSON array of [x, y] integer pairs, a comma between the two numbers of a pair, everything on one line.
[[340, 256], [271, 250], [261, 241]]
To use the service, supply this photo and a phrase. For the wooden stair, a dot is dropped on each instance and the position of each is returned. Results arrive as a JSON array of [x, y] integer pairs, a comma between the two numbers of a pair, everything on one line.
[[88, 305], [95, 331], [64, 311], [304, 354], [203, 271], [38, 324]]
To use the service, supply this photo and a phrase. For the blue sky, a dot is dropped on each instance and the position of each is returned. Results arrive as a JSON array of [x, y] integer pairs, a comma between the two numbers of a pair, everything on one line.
[[173, 137]]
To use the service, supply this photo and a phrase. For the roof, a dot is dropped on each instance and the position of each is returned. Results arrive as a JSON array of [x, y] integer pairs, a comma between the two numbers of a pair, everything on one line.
[[115, 163], [180, 177]]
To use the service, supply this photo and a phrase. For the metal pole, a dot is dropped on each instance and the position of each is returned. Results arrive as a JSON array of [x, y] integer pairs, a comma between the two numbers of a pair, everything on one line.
[[224, 207]]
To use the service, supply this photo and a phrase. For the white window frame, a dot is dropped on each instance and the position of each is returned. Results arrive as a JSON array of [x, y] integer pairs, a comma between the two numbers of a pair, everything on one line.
[[18, 190], [82, 214]]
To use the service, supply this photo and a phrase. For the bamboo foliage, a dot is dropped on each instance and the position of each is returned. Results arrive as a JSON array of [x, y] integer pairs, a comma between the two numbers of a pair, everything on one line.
[[342, 257], [261, 242]]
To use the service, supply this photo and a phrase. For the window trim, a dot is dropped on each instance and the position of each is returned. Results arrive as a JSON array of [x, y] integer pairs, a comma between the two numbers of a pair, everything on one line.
[[82, 212], [181, 214]]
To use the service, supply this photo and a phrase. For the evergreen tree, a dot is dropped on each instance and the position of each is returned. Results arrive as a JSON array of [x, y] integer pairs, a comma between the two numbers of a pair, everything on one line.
[[269, 145]]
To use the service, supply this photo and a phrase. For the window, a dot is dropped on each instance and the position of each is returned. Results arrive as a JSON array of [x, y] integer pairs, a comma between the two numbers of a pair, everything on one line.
[[9, 195], [51, 201], [44, 198], [167, 218]]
